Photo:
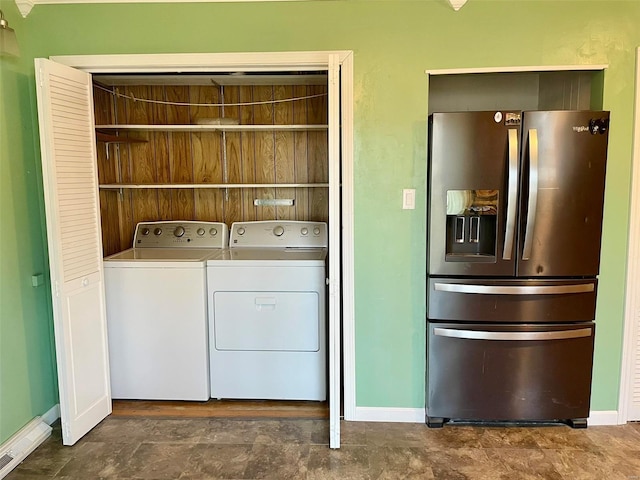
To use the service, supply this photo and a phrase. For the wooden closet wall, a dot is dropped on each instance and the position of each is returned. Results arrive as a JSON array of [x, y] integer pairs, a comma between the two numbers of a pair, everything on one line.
[[198, 157]]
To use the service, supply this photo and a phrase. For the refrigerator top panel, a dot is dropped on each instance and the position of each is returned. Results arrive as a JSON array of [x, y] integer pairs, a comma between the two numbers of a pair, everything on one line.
[[473, 157], [563, 164]]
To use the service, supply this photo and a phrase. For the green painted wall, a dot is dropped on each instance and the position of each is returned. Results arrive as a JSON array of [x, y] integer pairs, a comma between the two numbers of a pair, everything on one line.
[[394, 42], [27, 372]]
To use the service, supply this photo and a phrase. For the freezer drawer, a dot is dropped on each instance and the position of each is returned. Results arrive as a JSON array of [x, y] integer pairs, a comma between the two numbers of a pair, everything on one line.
[[509, 372], [511, 301]]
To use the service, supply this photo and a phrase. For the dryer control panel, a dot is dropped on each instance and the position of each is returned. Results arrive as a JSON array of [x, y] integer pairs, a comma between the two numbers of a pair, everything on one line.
[[181, 234], [278, 233]]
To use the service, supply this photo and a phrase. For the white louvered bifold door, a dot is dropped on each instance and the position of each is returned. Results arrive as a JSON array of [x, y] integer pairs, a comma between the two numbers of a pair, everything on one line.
[[335, 258], [65, 114]]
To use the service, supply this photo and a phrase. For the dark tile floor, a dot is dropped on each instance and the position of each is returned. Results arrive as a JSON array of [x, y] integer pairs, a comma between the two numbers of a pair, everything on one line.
[[198, 449]]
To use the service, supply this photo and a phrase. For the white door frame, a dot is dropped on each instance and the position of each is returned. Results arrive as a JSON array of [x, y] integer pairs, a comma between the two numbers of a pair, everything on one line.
[[632, 303], [272, 61]]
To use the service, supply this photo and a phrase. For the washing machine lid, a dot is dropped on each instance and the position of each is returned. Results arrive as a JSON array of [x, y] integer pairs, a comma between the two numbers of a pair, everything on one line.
[[162, 256]]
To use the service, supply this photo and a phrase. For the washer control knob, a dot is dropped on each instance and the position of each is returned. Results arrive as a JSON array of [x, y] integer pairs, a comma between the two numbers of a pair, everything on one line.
[[278, 231], [304, 231], [316, 230], [145, 231], [240, 231], [179, 231], [200, 231], [157, 231], [213, 232]]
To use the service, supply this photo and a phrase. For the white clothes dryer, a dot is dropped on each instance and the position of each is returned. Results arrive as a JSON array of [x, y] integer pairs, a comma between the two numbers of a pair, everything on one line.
[[157, 311], [267, 312]]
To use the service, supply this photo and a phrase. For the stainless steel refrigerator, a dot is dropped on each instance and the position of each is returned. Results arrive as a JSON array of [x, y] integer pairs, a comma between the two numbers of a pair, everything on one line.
[[514, 228]]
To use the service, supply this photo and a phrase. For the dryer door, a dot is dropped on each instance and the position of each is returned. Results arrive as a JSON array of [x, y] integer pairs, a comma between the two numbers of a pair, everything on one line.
[[266, 321]]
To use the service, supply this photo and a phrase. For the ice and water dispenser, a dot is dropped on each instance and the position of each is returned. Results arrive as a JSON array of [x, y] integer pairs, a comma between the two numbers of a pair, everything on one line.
[[471, 225]]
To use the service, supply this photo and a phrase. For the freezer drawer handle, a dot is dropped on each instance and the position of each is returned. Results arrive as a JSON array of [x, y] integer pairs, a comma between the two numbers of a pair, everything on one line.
[[515, 290], [510, 231], [530, 336], [533, 194]]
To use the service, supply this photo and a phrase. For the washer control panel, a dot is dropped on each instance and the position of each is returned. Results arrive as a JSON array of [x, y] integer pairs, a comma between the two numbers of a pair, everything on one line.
[[181, 234], [278, 233]]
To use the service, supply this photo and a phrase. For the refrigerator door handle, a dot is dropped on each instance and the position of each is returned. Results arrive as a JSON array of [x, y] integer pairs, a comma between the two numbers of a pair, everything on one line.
[[515, 290], [512, 196], [533, 194], [526, 336]]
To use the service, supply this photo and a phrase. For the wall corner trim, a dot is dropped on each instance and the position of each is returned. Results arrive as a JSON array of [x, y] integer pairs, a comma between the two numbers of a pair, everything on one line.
[[603, 417], [52, 414]]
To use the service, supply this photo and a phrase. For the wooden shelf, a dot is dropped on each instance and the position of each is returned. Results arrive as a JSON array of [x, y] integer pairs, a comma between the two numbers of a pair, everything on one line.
[[117, 186], [209, 128]]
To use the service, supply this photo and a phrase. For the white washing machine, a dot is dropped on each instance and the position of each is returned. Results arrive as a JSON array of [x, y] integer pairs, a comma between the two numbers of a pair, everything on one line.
[[267, 312], [156, 301]]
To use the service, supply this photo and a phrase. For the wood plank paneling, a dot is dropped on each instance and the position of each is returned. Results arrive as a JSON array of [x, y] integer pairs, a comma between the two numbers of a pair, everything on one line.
[[180, 155], [211, 157], [107, 173], [284, 151], [142, 162], [318, 153], [160, 146], [123, 157], [248, 155], [264, 150], [207, 154], [300, 142], [233, 153], [109, 222]]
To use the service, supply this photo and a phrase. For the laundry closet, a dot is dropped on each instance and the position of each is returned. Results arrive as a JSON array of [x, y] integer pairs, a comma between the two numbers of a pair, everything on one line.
[[276, 154], [226, 151], [182, 159], [259, 153]]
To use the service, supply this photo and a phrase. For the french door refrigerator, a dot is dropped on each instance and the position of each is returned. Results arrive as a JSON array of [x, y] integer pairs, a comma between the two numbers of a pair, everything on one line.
[[514, 228]]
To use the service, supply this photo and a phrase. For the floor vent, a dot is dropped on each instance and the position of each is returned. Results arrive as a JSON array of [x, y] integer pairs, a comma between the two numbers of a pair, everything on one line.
[[25, 441], [5, 460]]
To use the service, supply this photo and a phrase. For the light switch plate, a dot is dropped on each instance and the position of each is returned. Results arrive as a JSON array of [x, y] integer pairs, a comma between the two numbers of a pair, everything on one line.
[[409, 199]]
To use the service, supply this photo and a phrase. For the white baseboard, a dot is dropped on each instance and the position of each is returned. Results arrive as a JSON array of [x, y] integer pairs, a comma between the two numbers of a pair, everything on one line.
[[389, 414], [25, 441], [603, 417], [417, 415], [52, 414]]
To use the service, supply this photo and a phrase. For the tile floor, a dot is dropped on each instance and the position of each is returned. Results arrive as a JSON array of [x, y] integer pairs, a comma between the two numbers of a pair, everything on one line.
[[158, 449]]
